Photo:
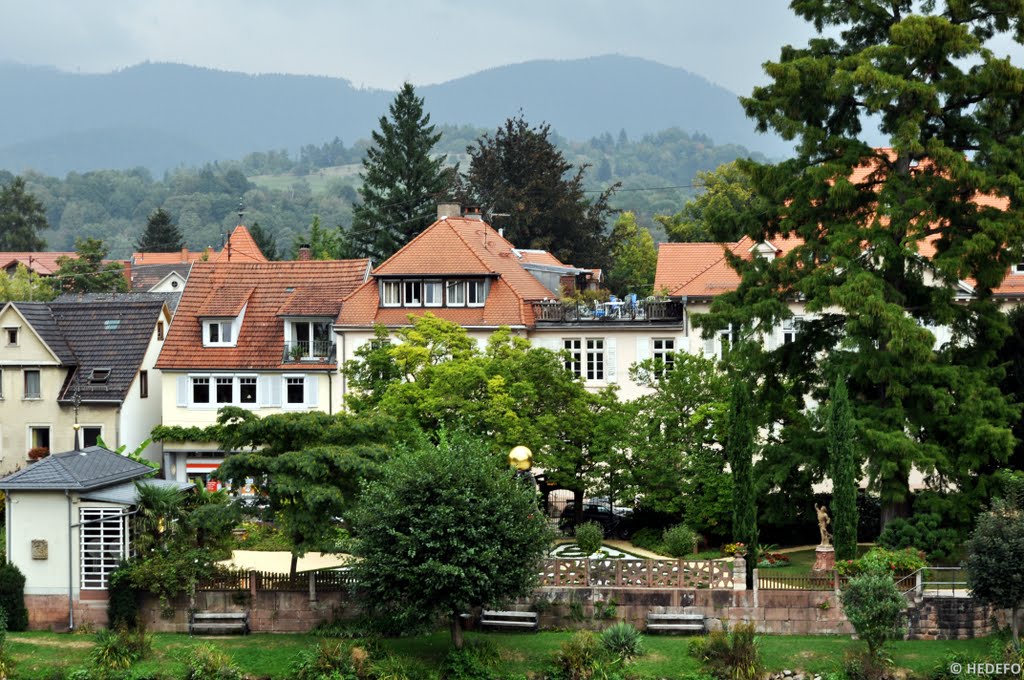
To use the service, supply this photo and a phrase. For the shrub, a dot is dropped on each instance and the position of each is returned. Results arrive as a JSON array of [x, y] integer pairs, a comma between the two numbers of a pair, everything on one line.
[[123, 605], [120, 647], [327, 660], [679, 540], [12, 597], [623, 640], [589, 537], [734, 655], [876, 609], [475, 661], [884, 561], [649, 538], [206, 662], [923, 532], [6, 660], [583, 657]]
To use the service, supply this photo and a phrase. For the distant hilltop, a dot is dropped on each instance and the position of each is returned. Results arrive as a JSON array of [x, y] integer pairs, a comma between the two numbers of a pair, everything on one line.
[[162, 116]]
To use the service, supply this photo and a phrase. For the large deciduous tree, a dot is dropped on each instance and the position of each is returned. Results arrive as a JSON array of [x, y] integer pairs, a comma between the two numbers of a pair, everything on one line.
[[88, 273], [402, 180], [519, 174], [634, 257], [711, 215], [161, 234], [445, 529], [23, 284], [892, 238], [22, 217]]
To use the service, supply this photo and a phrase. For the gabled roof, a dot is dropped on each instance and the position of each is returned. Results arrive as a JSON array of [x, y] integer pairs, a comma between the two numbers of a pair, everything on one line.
[[39, 316], [44, 264], [269, 291], [146, 276], [240, 247], [109, 335], [91, 468], [453, 247], [702, 270]]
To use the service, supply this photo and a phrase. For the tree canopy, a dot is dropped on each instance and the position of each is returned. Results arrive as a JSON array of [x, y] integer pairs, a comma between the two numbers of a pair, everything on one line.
[[25, 285], [711, 215], [524, 184], [443, 530], [402, 180], [88, 272], [161, 235], [885, 237], [634, 256], [22, 217]]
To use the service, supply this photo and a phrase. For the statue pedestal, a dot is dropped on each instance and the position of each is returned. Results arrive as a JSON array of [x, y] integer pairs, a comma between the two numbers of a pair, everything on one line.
[[824, 558]]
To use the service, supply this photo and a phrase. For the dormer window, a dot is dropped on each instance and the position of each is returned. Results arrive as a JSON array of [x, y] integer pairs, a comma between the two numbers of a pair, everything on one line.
[[391, 293], [413, 293], [476, 294], [1018, 268], [219, 333], [455, 293], [433, 293]]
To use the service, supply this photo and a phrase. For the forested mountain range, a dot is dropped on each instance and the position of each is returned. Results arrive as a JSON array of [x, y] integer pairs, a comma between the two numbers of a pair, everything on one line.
[[164, 116]]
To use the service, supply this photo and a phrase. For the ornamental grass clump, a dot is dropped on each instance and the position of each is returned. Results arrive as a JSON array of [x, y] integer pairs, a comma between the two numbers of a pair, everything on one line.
[[623, 640]]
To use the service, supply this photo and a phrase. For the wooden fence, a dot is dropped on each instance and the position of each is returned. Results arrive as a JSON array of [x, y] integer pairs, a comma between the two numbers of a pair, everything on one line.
[[324, 580]]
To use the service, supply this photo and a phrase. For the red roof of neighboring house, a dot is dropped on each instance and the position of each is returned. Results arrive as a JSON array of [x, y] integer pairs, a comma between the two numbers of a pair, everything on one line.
[[268, 292], [701, 269], [449, 248], [240, 247], [44, 264]]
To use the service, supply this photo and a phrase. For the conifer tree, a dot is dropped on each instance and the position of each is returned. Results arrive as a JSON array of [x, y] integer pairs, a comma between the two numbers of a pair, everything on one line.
[[161, 235], [739, 448], [264, 241], [844, 475], [890, 236], [402, 182], [22, 217]]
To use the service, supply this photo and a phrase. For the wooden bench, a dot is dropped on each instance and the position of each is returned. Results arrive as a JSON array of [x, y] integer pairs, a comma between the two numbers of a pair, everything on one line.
[[676, 623], [218, 623], [509, 619]]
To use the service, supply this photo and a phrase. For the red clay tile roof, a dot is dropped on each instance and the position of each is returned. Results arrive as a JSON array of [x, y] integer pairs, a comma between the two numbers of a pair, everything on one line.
[[453, 247], [240, 247], [539, 257], [44, 264], [701, 270], [317, 286]]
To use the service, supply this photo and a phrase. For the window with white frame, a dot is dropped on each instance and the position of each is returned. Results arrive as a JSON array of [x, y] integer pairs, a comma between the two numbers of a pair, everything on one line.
[[476, 294], [11, 333], [247, 389], [39, 437], [391, 293], [412, 293], [595, 358], [200, 389], [104, 544], [663, 352], [790, 328], [295, 390], [1018, 268], [219, 333], [224, 393], [574, 363], [727, 338], [455, 293], [432, 294], [33, 384], [310, 339]]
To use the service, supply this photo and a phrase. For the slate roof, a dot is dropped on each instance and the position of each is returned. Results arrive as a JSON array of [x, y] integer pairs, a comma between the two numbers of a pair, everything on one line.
[[39, 316], [453, 247], [127, 493], [170, 299], [269, 292], [145, 276], [93, 467]]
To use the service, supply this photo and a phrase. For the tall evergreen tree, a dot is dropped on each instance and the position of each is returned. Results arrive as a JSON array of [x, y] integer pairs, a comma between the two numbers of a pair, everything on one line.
[[520, 174], [402, 182], [844, 469], [161, 235], [739, 448], [264, 241], [889, 235], [22, 217]]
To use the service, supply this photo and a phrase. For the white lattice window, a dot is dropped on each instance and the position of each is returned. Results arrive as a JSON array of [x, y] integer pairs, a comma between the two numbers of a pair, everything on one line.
[[574, 363], [664, 352], [104, 543], [790, 328], [595, 358]]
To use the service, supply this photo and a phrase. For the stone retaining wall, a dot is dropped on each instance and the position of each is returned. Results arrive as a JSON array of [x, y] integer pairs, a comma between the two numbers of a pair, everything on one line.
[[269, 611]]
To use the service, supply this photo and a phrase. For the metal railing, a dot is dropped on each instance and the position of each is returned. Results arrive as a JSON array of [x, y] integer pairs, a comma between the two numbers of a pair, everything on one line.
[[935, 581], [308, 350], [560, 311]]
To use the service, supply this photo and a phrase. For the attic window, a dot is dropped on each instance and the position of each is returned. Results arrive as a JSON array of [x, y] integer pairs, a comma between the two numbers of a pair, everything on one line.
[[11, 333], [112, 324], [1017, 269], [99, 375]]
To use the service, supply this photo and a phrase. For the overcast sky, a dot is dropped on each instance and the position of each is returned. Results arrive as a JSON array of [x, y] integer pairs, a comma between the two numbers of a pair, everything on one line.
[[380, 43]]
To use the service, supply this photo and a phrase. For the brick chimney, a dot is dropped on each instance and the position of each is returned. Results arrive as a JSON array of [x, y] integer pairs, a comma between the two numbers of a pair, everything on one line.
[[446, 210], [305, 254]]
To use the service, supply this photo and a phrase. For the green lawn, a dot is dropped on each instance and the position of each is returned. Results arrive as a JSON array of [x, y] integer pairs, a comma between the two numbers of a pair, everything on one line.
[[39, 655], [801, 562]]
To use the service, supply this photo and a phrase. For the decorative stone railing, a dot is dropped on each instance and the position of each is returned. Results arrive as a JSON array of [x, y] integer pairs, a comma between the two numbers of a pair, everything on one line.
[[609, 573]]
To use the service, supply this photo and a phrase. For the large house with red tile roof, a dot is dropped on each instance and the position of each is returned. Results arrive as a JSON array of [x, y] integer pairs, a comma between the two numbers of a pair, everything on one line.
[[256, 335], [462, 270]]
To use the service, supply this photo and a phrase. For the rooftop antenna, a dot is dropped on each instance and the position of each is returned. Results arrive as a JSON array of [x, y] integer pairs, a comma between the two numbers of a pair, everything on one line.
[[241, 210]]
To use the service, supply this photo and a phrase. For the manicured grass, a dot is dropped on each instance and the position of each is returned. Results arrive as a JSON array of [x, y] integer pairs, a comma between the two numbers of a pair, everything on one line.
[[801, 561], [264, 655]]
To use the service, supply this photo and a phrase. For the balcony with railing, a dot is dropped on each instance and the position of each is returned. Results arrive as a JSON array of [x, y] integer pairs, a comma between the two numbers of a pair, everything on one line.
[[572, 312], [307, 351]]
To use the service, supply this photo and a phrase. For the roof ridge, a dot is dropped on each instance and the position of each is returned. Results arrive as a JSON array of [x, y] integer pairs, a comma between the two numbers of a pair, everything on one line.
[[472, 249], [702, 271]]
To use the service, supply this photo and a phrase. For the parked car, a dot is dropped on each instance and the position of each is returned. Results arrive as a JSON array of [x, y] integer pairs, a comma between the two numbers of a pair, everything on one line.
[[617, 522]]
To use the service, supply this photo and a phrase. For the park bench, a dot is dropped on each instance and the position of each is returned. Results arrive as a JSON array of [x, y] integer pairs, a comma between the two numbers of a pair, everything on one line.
[[508, 619], [675, 623], [218, 623]]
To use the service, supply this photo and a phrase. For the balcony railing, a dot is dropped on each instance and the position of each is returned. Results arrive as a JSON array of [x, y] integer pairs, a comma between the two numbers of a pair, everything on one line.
[[558, 311], [308, 351]]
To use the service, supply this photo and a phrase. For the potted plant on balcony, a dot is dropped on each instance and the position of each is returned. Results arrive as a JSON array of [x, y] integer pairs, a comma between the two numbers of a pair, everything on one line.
[[297, 352]]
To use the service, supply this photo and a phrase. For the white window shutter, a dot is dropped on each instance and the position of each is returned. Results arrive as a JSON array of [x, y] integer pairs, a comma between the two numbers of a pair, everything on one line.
[[709, 346], [609, 360], [643, 349], [546, 343], [263, 389], [681, 345], [312, 390], [275, 382], [183, 391]]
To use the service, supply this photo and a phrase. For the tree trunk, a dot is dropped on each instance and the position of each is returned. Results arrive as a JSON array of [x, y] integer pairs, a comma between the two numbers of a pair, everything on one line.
[[457, 630], [1015, 623], [295, 565]]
